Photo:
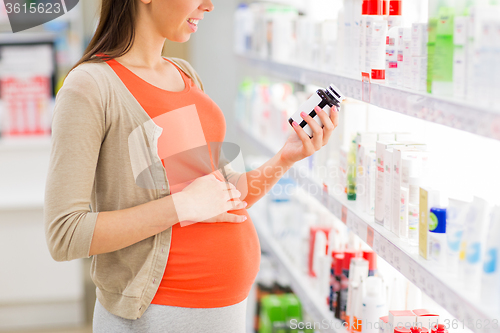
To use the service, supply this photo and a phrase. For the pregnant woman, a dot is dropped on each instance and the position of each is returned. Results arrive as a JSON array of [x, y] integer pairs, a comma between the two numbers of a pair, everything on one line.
[[139, 183]]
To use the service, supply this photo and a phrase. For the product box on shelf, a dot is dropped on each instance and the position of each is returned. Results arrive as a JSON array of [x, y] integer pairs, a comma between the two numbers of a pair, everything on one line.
[[318, 239], [428, 198], [381, 146], [383, 325], [412, 153], [404, 318], [426, 318]]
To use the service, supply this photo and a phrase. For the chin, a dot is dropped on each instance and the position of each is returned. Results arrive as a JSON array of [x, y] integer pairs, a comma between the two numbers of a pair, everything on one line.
[[179, 39]]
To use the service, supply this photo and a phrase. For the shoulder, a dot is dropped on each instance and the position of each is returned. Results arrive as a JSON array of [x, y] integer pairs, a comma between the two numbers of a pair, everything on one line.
[[188, 69]]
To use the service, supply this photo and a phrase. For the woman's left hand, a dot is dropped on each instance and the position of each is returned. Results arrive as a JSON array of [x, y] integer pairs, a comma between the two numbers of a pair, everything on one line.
[[299, 146]]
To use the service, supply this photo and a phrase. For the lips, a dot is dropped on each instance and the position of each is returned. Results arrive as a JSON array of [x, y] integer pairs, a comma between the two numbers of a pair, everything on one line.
[[193, 24]]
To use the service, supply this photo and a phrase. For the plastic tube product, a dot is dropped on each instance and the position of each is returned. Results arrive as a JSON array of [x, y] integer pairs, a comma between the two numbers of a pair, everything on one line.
[[490, 287], [437, 234], [374, 304], [371, 167], [473, 241], [455, 224]]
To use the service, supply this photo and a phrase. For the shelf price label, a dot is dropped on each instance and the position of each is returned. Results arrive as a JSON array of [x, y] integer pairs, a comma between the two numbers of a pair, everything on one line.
[[370, 234], [343, 217], [412, 272]]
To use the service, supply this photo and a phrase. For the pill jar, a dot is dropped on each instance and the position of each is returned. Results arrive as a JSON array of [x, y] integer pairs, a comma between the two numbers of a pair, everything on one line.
[[325, 99]]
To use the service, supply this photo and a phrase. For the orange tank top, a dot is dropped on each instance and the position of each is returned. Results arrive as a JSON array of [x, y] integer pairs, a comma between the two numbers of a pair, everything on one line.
[[209, 264]]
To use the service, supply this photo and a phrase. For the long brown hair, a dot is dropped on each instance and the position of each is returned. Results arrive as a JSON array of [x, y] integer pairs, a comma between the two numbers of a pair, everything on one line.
[[115, 33]]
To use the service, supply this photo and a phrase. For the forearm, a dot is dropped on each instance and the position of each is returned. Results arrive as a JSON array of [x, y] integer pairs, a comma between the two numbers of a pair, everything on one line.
[[115, 230], [262, 179]]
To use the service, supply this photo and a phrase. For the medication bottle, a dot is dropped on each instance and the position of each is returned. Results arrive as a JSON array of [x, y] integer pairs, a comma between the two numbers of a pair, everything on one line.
[[325, 99]]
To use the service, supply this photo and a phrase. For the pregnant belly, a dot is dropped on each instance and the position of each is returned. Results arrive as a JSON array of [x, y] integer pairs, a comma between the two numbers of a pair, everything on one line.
[[210, 264]]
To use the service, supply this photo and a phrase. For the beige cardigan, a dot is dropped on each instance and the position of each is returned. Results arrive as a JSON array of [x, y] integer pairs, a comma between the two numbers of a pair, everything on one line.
[[101, 141]]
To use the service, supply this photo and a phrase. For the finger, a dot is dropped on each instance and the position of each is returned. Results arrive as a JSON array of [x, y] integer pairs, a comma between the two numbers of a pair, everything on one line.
[[327, 124], [235, 205], [317, 139], [306, 140], [228, 217], [334, 116], [232, 194]]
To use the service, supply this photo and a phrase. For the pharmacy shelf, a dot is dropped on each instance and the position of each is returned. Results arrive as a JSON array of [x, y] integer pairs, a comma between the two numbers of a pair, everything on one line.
[[300, 284], [444, 288], [458, 114]]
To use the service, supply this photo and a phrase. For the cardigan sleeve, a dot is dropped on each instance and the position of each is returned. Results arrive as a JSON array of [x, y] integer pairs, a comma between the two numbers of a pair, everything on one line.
[[78, 129]]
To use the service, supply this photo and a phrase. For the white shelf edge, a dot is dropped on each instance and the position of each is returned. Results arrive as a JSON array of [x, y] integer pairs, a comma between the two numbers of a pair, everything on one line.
[[299, 284], [446, 290], [458, 114]]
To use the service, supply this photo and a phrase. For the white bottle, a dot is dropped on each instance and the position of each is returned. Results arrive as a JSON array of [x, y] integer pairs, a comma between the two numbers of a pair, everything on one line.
[[490, 286], [374, 304], [377, 51], [473, 242], [455, 224]]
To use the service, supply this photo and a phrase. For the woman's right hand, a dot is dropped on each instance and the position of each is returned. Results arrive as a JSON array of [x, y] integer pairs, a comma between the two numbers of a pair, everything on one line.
[[208, 199]]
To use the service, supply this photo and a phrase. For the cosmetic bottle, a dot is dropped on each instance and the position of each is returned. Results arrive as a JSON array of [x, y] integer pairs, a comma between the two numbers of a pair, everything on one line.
[[377, 53], [437, 235], [336, 286], [373, 10], [357, 307], [418, 329], [370, 167], [351, 172], [395, 18], [358, 270], [374, 304], [455, 223], [431, 41], [442, 74], [403, 213], [490, 287], [473, 242], [371, 257], [325, 99], [344, 292]]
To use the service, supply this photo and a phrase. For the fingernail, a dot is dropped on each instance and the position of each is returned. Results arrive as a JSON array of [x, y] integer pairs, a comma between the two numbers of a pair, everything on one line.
[[245, 203], [318, 109], [303, 114], [244, 218], [294, 124]]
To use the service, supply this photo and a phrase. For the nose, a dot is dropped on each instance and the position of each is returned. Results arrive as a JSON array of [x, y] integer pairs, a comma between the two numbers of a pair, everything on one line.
[[207, 6]]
